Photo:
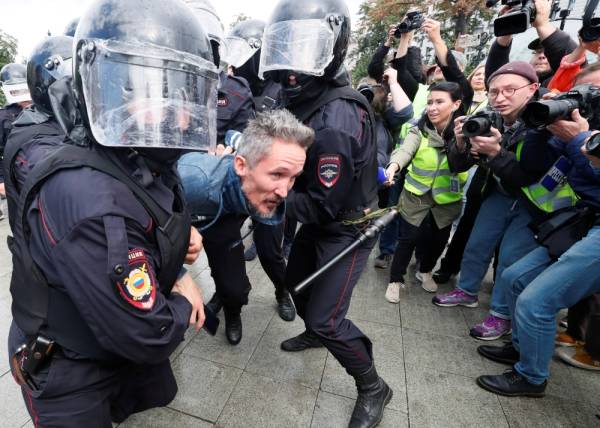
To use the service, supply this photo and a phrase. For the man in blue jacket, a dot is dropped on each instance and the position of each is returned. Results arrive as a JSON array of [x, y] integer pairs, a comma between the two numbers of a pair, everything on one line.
[[224, 191]]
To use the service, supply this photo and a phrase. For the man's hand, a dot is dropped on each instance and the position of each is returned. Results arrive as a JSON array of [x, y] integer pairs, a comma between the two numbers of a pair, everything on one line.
[[391, 75], [223, 150], [188, 289], [566, 130], [542, 13], [194, 248], [432, 28], [390, 172], [487, 146], [458, 132], [390, 36]]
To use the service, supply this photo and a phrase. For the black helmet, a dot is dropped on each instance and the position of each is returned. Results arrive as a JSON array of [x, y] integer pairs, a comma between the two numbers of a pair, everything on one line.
[[244, 42], [71, 27], [144, 75], [310, 39], [49, 61], [211, 23], [13, 78]]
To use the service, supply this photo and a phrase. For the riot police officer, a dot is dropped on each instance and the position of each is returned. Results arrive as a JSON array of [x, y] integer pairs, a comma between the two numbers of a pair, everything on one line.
[[100, 299], [13, 79], [304, 49]]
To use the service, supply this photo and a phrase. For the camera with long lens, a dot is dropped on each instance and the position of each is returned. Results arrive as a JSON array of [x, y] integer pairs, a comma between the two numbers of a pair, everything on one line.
[[586, 98], [593, 146], [517, 20], [481, 123], [413, 21]]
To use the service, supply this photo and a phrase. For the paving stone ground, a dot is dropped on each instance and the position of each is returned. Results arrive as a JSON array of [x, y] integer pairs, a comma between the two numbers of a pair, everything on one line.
[[424, 352]]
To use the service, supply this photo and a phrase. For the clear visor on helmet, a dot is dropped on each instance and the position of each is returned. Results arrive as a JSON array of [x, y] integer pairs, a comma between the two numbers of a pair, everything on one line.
[[59, 67], [145, 96], [239, 50], [16, 92], [301, 45]]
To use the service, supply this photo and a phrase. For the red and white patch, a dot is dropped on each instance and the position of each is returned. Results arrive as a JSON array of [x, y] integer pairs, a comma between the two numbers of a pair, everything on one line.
[[222, 101], [139, 288], [329, 169]]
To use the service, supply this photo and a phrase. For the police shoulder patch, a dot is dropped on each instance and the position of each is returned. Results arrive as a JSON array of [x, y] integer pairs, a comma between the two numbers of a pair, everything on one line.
[[139, 287], [222, 101], [329, 169]]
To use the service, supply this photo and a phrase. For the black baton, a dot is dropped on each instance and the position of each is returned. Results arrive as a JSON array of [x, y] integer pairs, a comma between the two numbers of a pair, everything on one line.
[[370, 232]]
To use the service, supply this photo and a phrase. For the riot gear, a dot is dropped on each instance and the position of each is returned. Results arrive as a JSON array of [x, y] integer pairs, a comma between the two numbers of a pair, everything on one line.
[[244, 46], [207, 15], [71, 27], [13, 78], [49, 61], [144, 75]]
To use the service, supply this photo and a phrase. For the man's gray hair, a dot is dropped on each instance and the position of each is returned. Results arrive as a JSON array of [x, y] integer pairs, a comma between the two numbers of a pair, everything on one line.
[[260, 133]]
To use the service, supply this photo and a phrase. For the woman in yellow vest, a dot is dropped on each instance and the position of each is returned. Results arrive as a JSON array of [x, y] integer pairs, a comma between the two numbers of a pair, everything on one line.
[[431, 188]]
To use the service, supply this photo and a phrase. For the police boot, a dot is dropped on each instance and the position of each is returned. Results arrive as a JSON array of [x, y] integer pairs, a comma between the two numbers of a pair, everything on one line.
[[233, 327], [215, 304], [285, 307], [301, 342], [373, 395]]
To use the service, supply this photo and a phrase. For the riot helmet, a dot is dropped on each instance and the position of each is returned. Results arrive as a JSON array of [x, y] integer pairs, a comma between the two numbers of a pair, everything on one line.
[[13, 78], [211, 23], [244, 42], [71, 27], [311, 39], [144, 75], [49, 61]]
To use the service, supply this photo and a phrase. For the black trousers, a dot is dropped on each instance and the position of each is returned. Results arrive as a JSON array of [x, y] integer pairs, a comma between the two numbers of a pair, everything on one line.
[[225, 252], [268, 241], [584, 324], [410, 236], [289, 230], [324, 305]]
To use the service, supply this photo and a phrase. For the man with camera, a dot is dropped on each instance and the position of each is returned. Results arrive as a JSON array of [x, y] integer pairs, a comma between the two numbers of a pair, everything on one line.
[[516, 158], [563, 268]]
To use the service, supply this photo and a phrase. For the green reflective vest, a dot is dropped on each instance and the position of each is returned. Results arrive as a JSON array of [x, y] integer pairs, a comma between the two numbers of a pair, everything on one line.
[[563, 196], [429, 170]]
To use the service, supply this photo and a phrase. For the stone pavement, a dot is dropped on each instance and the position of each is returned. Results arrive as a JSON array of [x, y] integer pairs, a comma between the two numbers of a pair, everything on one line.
[[424, 353]]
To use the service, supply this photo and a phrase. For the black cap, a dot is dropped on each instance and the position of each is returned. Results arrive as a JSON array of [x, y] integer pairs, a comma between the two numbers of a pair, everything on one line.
[[535, 45]]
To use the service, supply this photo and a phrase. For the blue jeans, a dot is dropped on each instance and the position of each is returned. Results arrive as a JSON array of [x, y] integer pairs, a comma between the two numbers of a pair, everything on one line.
[[538, 289], [389, 237], [504, 220]]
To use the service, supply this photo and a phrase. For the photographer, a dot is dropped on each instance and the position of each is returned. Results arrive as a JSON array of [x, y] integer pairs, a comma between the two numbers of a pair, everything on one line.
[[553, 45], [516, 157]]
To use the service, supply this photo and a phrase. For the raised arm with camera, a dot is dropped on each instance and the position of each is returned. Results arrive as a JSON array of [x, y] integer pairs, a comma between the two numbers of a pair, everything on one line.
[[376, 67]]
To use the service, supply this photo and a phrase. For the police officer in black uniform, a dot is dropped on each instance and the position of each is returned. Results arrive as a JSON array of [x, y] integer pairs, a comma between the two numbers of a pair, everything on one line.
[[36, 133], [304, 49], [13, 79], [100, 299]]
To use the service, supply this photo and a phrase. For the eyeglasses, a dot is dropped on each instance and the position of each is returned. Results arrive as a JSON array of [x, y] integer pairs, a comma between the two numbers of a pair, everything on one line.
[[506, 92]]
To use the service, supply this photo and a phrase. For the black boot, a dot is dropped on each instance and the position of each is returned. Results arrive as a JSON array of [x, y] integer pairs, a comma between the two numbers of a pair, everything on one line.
[[215, 304], [285, 307], [505, 354], [511, 384], [373, 395], [233, 327], [301, 342]]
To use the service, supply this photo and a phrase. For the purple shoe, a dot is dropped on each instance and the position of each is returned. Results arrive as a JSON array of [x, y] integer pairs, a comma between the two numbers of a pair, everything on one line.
[[456, 297], [491, 328]]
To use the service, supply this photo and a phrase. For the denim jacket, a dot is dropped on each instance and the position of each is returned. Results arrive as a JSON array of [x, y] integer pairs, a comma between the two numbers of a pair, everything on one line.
[[212, 189]]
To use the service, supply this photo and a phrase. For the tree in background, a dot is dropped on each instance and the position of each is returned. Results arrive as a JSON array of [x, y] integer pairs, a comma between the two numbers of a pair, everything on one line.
[[240, 17], [8, 52]]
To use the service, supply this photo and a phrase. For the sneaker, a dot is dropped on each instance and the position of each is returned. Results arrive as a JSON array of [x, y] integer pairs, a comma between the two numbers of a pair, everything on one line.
[[392, 294], [564, 339], [427, 282], [577, 356], [383, 261], [250, 254], [456, 297], [491, 328]]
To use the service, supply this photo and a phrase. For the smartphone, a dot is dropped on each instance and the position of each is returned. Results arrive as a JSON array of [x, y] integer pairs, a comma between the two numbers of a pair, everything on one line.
[[211, 322]]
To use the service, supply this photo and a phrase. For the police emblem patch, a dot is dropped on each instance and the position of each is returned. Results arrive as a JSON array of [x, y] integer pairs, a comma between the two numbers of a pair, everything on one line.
[[329, 170], [222, 101], [139, 287]]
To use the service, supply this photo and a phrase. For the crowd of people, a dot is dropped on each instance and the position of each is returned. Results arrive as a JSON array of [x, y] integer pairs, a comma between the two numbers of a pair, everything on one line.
[[186, 133]]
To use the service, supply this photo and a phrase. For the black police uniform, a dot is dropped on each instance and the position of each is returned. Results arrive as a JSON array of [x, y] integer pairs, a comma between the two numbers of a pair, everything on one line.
[[109, 307], [7, 116], [339, 183], [235, 106]]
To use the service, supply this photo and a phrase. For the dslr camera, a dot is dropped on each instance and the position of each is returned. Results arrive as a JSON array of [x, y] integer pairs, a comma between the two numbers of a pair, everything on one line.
[[413, 21], [586, 98], [481, 123], [517, 20]]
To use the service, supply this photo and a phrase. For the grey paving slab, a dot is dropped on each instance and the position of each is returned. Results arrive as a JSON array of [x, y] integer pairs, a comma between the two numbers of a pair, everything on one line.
[[587, 382], [163, 418], [333, 411], [190, 333], [5, 321], [305, 368], [445, 400], [433, 319], [255, 318], [12, 407], [204, 386], [548, 412], [374, 309], [258, 401], [263, 289], [29, 424]]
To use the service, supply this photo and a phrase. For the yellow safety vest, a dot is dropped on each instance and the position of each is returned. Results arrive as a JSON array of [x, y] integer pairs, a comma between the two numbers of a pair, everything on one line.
[[429, 170], [563, 196]]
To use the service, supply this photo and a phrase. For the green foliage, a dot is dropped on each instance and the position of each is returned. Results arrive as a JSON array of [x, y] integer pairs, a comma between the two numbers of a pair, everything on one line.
[[240, 17], [8, 52]]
